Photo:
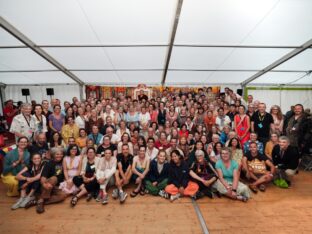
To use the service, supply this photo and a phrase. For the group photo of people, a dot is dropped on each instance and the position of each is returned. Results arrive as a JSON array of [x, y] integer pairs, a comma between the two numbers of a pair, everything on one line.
[[172, 145]]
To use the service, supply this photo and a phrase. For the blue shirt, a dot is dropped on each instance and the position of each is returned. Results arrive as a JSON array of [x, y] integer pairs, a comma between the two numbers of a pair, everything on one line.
[[227, 172], [96, 138], [11, 157]]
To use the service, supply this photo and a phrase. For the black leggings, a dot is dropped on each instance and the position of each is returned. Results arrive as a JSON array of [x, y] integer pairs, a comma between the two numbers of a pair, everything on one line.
[[91, 187]]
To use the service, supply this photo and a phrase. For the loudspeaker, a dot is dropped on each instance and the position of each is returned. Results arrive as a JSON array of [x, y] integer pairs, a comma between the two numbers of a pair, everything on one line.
[[25, 92], [50, 91], [239, 92]]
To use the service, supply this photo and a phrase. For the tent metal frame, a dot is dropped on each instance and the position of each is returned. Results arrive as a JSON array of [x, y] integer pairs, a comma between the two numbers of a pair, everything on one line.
[[173, 33], [278, 62], [153, 69], [38, 49], [21, 37], [156, 45]]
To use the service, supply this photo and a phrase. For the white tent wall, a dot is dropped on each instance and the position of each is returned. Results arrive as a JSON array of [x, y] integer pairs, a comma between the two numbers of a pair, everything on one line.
[[284, 97], [39, 93]]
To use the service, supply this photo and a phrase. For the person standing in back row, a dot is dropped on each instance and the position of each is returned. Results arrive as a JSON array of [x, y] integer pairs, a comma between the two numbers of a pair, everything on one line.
[[261, 123]]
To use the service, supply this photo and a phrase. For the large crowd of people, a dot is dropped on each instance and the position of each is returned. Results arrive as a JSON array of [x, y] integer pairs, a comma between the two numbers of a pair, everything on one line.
[[192, 144]]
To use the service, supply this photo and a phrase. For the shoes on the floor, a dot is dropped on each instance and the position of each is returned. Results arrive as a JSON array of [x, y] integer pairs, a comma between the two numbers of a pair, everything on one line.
[[40, 207], [105, 199], [175, 197], [242, 198], [89, 197], [18, 203], [262, 187], [99, 196], [253, 188], [163, 194], [115, 193], [30, 204], [26, 200], [122, 196]]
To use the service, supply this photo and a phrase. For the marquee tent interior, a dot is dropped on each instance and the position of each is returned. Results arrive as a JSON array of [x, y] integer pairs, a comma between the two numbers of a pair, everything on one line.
[[250, 44]]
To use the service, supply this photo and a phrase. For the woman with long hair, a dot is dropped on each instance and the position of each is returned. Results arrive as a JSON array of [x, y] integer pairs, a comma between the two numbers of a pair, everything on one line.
[[72, 167], [86, 182], [179, 183], [242, 125], [278, 120]]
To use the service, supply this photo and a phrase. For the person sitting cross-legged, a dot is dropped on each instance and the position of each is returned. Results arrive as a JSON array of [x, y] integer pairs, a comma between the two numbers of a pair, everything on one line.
[[51, 176], [179, 183], [86, 182], [255, 168], [157, 177], [204, 175], [228, 183], [140, 168]]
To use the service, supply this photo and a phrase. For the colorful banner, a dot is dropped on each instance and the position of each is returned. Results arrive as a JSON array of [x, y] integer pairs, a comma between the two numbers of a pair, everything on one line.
[[99, 92]]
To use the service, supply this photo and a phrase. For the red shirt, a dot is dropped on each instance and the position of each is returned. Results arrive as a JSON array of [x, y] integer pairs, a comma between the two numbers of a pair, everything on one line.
[[8, 110], [160, 145]]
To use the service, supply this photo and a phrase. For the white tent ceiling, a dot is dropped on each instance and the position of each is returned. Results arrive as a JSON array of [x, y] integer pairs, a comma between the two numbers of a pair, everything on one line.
[[129, 42]]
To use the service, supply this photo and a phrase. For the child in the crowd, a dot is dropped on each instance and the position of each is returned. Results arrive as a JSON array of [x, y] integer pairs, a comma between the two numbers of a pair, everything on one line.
[[29, 181]]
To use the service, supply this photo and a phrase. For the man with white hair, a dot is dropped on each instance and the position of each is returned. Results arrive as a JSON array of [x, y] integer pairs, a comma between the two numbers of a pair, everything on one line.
[[204, 174], [23, 124]]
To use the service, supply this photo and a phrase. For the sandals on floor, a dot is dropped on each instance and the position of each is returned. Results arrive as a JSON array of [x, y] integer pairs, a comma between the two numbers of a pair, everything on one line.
[[142, 191], [74, 201], [89, 197], [253, 188], [134, 193], [262, 187]]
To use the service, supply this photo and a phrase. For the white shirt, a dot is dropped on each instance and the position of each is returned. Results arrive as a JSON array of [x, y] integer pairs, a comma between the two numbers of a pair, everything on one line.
[[118, 133], [80, 122], [114, 139], [152, 153], [23, 126], [221, 122], [144, 118]]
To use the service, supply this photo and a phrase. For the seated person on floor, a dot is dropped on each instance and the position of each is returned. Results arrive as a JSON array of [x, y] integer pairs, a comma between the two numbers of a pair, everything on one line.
[[51, 176], [179, 183], [71, 168], [29, 181], [157, 177], [86, 182], [14, 162], [204, 175], [228, 183], [105, 174], [140, 168], [123, 173], [285, 158], [255, 168]]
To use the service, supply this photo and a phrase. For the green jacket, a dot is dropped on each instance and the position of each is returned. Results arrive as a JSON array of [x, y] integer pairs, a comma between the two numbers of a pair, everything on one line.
[[11, 157]]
